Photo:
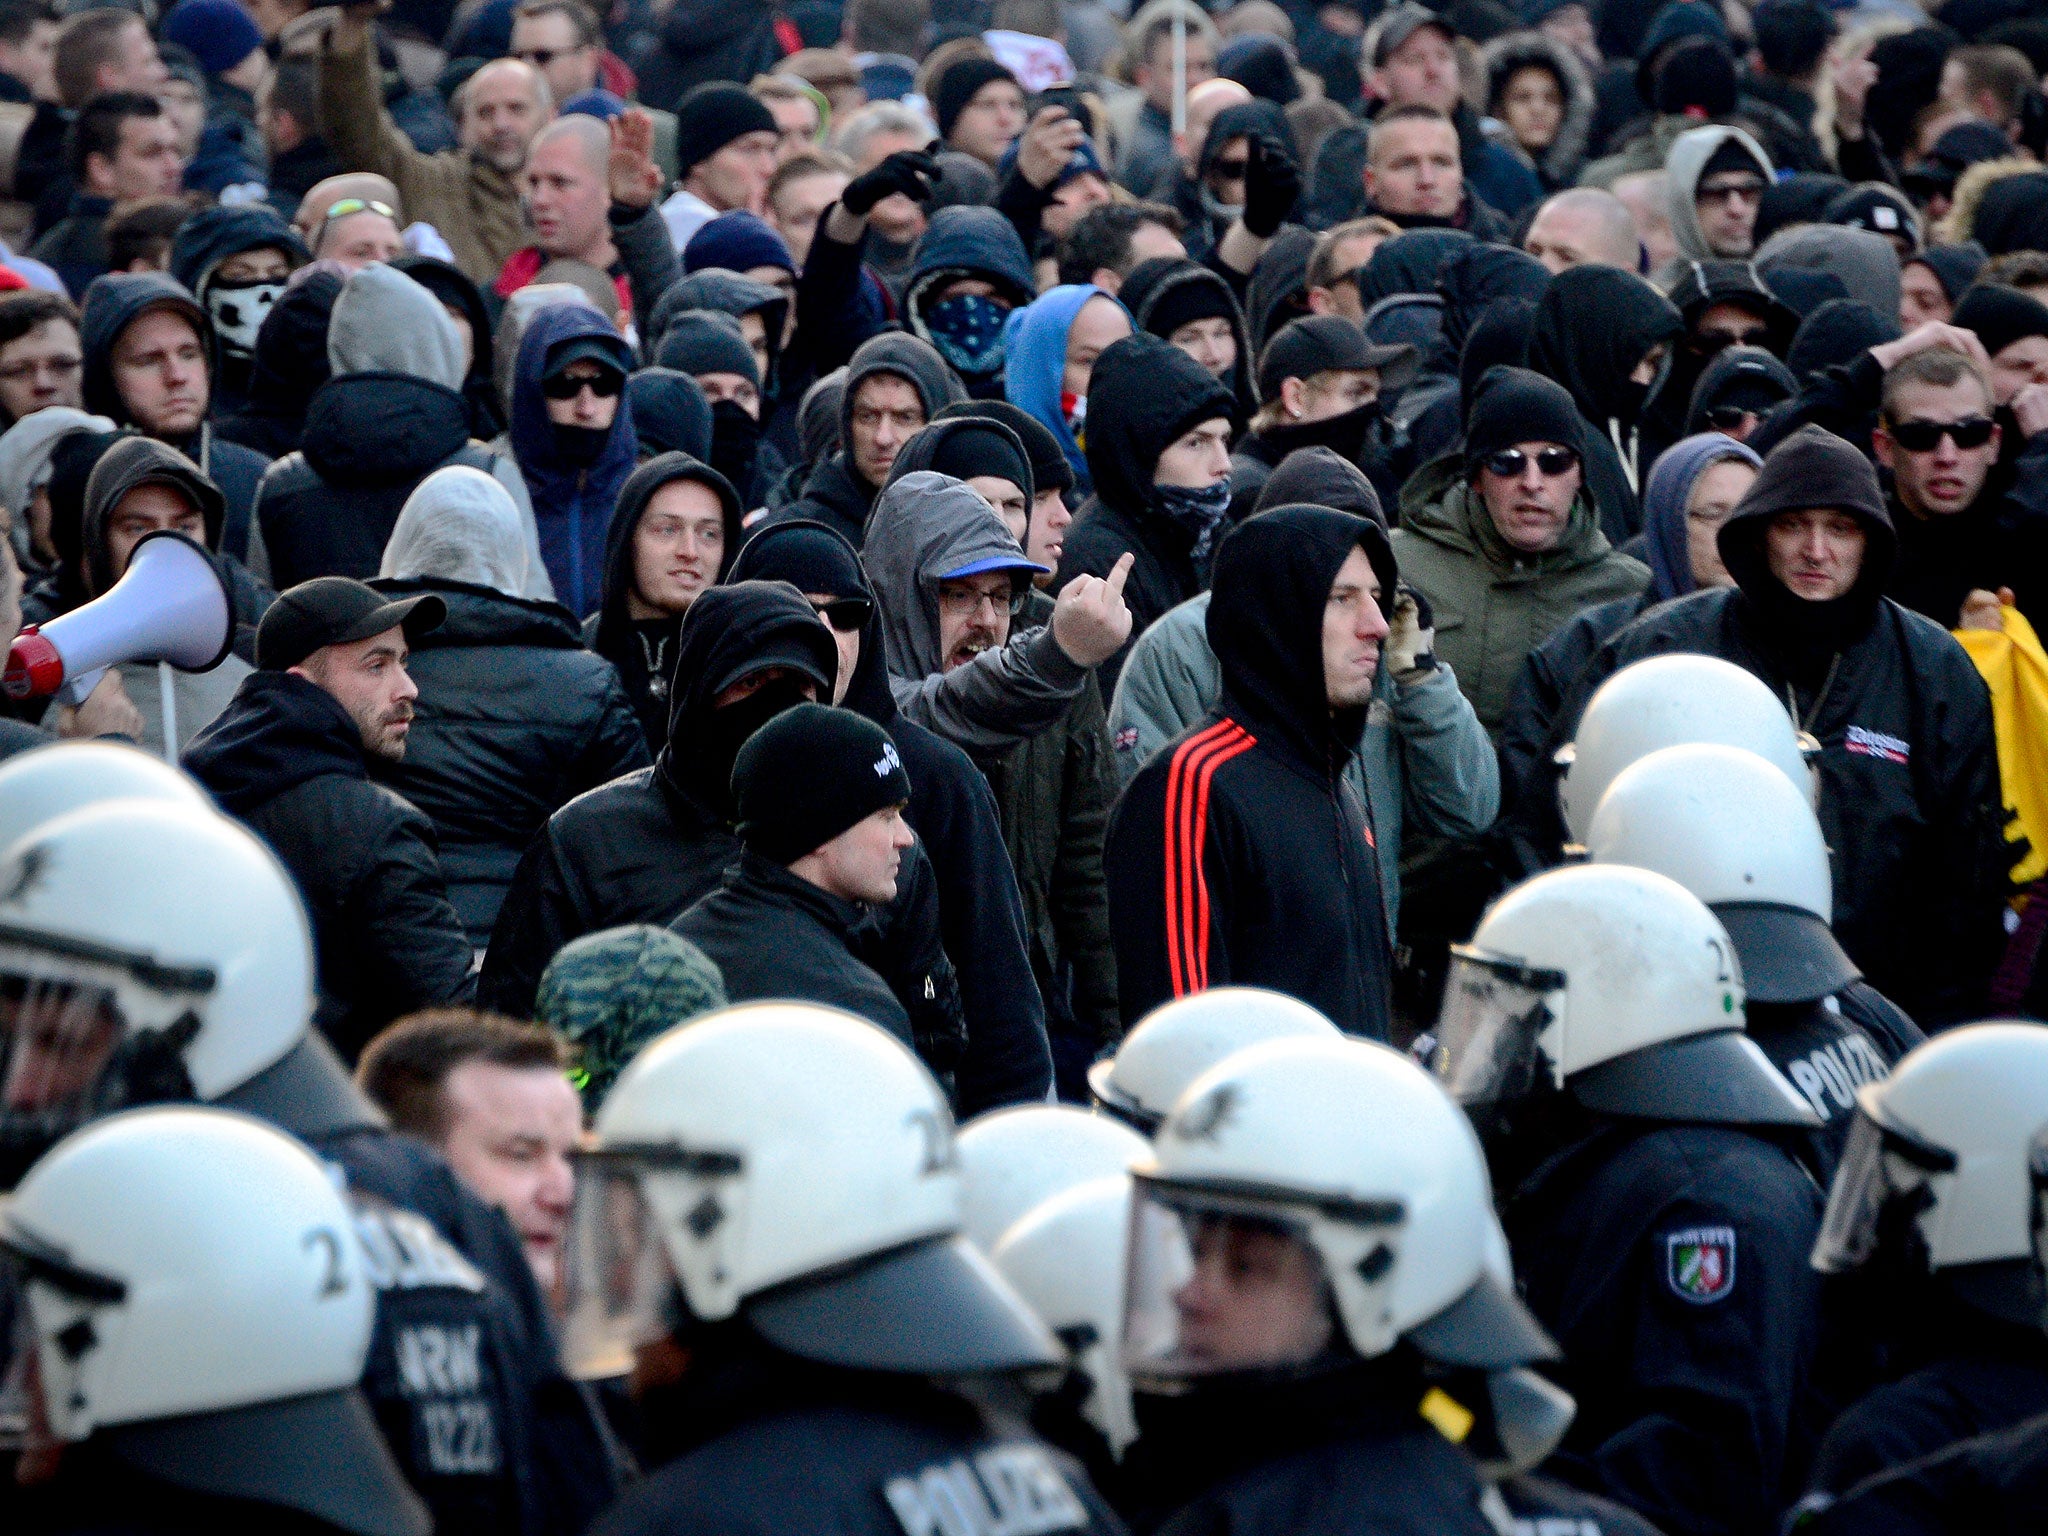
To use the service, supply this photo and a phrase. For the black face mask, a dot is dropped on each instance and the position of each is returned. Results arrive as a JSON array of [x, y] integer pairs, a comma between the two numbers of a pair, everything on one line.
[[735, 439], [728, 729], [580, 445], [1344, 434]]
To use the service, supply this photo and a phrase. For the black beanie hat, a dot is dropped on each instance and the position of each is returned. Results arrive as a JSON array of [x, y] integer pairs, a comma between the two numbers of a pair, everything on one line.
[[707, 341], [1049, 467], [959, 85], [1514, 405], [1307, 347], [1836, 333], [1698, 79], [983, 448], [2000, 316], [710, 116], [810, 774], [1955, 267], [1187, 301]]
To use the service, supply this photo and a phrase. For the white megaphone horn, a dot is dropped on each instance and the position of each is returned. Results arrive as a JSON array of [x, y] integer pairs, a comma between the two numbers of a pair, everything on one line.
[[172, 605]]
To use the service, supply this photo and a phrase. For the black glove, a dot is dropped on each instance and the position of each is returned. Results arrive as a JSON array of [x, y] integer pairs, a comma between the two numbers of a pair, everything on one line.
[[909, 171], [1272, 183]]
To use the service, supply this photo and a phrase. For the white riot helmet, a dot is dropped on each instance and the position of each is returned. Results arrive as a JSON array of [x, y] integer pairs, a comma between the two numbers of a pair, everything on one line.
[[1940, 1158], [39, 785], [1178, 1041], [1733, 830], [795, 1165], [1667, 701], [1619, 983], [1340, 1170], [1013, 1160], [196, 1296], [153, 952], [1066, 1257]]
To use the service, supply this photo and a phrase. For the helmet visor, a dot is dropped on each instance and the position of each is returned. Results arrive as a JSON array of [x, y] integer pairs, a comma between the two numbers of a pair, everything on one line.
[[1216, 1284], [2037, 1165], [1489, 1031], [59, 1041], [619, 1292], [1879, 1166]]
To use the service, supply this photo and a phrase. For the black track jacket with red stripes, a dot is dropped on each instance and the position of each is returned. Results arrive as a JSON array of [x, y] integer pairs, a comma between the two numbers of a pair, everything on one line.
[[1238, 856]]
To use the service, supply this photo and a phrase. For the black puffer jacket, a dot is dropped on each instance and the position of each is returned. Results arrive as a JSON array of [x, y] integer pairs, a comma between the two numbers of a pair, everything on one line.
[[1143, 395], [1909, 770], [287, 760], [291, 363], [1239, 856], [643, 848], [514, 719]]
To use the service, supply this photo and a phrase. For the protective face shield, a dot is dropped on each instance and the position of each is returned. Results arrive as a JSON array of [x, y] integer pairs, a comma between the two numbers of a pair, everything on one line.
[[239, 310], [1013, 1160], [1498, 1027], [1178, 1041], [1882, 1185], [2037, 1165]]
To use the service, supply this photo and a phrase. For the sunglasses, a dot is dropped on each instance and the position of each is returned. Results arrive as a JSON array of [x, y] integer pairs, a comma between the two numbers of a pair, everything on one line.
[[1926, 436], [1509, 463], [845, 614], [1711, 342], [1748, 191], [1730, 418], [349, 205], [541, 58], [565, 386]]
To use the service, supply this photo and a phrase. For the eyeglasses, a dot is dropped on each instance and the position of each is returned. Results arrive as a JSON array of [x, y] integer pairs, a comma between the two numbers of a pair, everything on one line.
[[1926, 436], [845, 614], [567, 386], [966, 601], [349, 205], [1509, 463], [1748, 191], [1730, 418]]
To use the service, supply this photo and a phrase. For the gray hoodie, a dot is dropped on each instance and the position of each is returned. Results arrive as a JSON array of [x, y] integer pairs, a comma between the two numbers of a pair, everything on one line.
[[926, 523], [384, 322], [1866, 262], [1688, 156]]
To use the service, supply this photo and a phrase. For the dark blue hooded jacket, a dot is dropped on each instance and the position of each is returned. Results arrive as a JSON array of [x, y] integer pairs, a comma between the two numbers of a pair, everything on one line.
[[111, 305], [572, 503], [968, 241]]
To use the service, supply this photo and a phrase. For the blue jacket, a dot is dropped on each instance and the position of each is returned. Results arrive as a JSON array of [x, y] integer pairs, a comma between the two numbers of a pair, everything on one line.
[[572, 503], [1035, 361]]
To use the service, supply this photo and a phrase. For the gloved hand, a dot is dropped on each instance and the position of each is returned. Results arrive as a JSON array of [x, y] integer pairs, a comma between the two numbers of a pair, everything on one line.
[[1410, 647], [1272, 182], [909, 171]]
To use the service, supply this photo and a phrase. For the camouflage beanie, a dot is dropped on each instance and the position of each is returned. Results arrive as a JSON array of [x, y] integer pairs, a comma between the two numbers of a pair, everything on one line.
[[613, 991]]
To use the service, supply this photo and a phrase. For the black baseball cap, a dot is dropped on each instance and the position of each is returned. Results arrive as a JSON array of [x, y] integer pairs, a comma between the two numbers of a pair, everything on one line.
[[333, 610]]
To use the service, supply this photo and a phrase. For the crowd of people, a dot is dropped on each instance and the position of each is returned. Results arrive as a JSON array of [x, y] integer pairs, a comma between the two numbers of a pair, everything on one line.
[[987, 767]]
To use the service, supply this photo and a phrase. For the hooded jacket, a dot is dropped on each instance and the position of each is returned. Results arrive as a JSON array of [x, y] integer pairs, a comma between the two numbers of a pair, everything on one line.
[[1153, 291], [1492, 604], [1487, 290], [1035, 360], [446, 283], [111, 305], [644, 652], [1594, 325], [286, 760], [728, 293], [967, 241], [389, 415], [572, 502], [1745, 376], [1558, 166], [1866, 263], [1424, 762], [1143, 395], [290, 364], [1053, 781], [644, 847], [1909, 773], [836, 494], [1278, 291], [1240, 855], [514, 717], [1686, 158], [206, 240]]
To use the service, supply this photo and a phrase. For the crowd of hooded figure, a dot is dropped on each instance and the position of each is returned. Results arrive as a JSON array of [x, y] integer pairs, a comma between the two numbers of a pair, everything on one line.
[[999, 769]]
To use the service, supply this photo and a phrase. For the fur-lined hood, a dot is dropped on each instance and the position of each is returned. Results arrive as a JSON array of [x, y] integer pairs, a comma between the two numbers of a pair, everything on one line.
[[1960, 222], [1500, 58]]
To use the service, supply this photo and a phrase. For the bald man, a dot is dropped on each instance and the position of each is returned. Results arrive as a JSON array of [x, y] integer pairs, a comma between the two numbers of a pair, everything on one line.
[[1204, 102], [471, 194], [1647, 196], [1584, 227]]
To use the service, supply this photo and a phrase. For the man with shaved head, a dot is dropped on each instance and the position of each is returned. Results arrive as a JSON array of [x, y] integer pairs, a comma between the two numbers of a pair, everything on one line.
[[1647, 197], [1584, 227], [566, 202], [471, 194]]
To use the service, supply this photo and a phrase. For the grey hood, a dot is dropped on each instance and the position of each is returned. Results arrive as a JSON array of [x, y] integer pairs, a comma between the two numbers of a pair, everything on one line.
[[1689, 153], [459, 525], [384, 322], [1866, 262], [25, 450]]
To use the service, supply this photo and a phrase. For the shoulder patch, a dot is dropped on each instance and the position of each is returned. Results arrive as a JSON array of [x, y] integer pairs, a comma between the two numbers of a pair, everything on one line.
[[1699, 1264]]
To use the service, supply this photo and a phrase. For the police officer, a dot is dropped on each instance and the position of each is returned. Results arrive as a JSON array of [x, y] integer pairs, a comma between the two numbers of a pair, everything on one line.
[[1593, 1028], [768, 1236], [1014, 1160], [151, 951], [1731, 828], [198, 1317], [1311, 1236], [1933, 1219], [1178, 1041]]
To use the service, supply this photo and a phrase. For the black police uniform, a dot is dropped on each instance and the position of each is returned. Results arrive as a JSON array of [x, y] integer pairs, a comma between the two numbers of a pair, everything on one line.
[[1671, 1264], [1828, 1050], [1995, 1485], [1539, 1506]]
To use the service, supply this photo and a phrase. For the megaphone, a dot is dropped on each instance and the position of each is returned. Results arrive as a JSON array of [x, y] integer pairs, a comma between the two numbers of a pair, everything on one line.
[[173, 605]]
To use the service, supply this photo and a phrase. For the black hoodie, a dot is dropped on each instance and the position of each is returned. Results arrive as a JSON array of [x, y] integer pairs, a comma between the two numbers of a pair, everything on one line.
[[287, 760], [1158, 288], [291, 363], [644, 847], [954, 813], [1594, 325], [1910, 797], [1238, 855], [644, 651]]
